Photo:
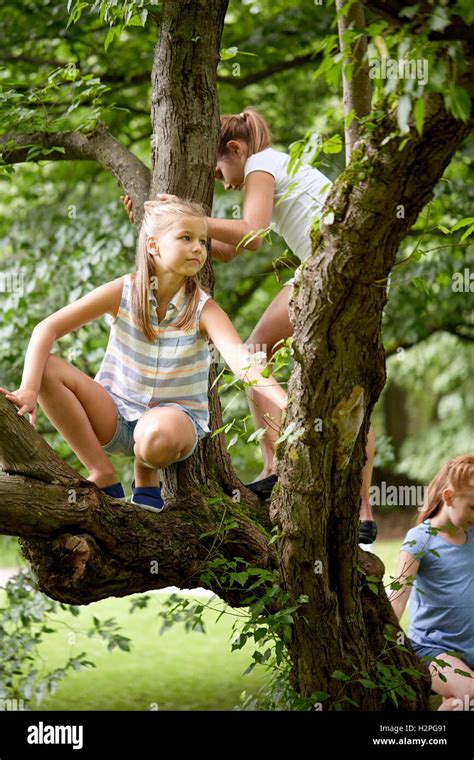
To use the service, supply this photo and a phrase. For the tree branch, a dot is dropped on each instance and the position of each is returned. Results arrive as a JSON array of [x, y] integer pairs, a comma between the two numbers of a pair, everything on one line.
[[357, 90], [85, 546], [131, 173], [275, 68]]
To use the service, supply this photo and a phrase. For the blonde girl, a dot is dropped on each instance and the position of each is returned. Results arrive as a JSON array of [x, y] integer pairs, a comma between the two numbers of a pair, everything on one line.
[[149, 398], [286, 202]]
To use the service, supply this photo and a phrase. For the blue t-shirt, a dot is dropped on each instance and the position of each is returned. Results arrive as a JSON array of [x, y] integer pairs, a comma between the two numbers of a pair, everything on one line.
[[442, 598]]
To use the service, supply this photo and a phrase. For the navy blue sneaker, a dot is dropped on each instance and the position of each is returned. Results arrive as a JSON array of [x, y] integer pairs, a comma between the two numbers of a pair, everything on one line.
[[115, 491], [147, 497]]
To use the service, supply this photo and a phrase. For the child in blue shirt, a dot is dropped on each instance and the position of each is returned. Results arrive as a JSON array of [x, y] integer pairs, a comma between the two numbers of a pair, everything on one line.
[[437, 561]]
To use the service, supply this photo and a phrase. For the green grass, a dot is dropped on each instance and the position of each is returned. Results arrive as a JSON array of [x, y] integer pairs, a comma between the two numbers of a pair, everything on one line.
[[10, 553], [175, 671]]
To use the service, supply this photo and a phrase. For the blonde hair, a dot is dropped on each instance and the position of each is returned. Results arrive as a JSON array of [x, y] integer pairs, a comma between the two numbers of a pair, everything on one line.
[[457, 474], [158, 218], [250, 127]]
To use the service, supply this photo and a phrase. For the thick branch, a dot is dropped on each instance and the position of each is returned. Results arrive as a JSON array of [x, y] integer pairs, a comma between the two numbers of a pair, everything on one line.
[[357, 90], [85, 546], [131, 173]]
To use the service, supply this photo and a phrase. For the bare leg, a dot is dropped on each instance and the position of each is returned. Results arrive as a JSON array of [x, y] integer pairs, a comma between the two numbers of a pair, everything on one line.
[[273, 327], [162, 435], [457, 690], [83, 412], [365, 507]]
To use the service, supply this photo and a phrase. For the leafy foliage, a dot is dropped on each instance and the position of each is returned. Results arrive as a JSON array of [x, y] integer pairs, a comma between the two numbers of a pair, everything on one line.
[[26, 618]]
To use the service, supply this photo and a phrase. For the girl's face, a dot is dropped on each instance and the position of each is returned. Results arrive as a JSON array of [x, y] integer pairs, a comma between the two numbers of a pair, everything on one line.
[[181, 249], [230, 168], [460, 507]]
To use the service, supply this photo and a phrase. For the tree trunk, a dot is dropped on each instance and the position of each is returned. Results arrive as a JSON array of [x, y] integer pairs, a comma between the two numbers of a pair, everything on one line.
[[338, 375], [186, 127]]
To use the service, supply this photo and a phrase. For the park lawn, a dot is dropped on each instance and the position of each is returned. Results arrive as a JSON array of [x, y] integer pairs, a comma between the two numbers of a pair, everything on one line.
[[175, 671]]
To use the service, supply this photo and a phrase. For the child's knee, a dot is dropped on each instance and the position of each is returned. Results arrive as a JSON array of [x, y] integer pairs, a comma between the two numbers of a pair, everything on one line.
[[153, 442]]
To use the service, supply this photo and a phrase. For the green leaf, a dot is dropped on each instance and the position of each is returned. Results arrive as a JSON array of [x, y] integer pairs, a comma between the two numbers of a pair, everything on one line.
[[332, 144], [467, 233], [348, 120], [463, 223], [351, 701], [419, 115], [227, 53], [367, 683], [462, 672], [136, 20], [465, 8], [339, 676], [241, 578], [458, 102], [439, 19], [109, 38], [421, 285], [410, 11], [320, 696]]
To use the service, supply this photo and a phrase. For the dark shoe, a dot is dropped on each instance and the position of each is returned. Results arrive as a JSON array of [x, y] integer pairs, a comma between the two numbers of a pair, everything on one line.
[[115, 491], [263, 488], [367, 531], [147, 497]]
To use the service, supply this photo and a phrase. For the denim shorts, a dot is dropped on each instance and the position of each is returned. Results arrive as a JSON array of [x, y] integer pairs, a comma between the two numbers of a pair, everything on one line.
[[122, 441]]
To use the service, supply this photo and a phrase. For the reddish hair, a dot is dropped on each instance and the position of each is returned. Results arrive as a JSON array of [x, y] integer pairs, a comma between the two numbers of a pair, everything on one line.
[[457, 474], [249, 127]]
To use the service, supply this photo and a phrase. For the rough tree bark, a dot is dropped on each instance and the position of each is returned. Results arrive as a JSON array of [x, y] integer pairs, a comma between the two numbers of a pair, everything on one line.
[[338, 375]]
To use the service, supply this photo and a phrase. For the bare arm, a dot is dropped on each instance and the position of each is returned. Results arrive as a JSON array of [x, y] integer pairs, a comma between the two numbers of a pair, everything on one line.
[[257, 214], [215, 324], [102, 300], [407, 568], [223, 251]]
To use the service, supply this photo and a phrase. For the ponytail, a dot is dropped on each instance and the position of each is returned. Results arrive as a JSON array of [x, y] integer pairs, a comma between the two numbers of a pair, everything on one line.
[[457, 474], [249, 127]]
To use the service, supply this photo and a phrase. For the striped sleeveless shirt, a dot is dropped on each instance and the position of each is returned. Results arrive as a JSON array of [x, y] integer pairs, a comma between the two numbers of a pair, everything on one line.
[[139, 375]]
